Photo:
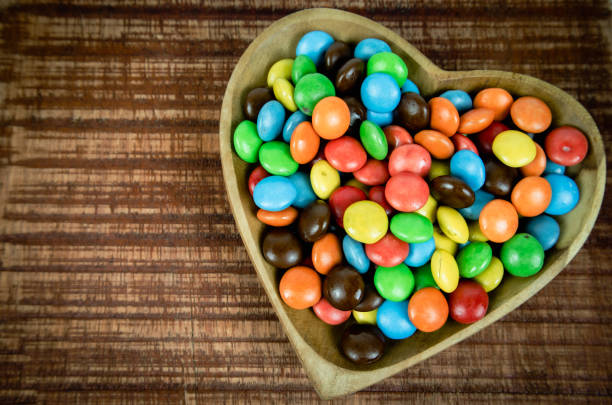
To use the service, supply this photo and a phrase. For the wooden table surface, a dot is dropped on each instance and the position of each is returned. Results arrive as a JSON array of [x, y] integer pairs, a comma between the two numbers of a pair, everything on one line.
[[122, 275]]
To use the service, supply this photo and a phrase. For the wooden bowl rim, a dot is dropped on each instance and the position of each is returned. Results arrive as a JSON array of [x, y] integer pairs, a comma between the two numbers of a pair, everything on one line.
[[329, 379]]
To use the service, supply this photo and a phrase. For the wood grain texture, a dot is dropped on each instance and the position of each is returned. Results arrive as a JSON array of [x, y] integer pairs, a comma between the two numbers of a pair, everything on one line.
[[123, 278]]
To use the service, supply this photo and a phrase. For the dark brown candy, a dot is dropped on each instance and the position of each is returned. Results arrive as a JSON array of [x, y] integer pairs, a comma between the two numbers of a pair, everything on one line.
[[452, 191], [371, 300], [412, 112], [255, 100], [349, 75], [335, 56], [281, 248], [358, 114], [314, 221], [362, 344], [344, 287], [499, 178]]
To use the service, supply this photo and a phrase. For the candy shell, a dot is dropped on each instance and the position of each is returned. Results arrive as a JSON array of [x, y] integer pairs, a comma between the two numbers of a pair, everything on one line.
[[474, 258], [367, 318], [314, 44], [345, 154], [300, 287], [411, 227], [531, 196], [278, 218], [387, 252], [247, 142], [444, 270], [468, 303], [545, 229], [410, 158], [302, 66], [498, 220], [452, 224], [292, 122], [276, 158], [475, 120], [496, 99], [331, 117], [522, 255], [366, 221], [565, 194], [492, 276], [420, 253], [444, 117], [428, 309], [355, 254], [310, 90], [326, 253], [274, 193], [380, 93], [406, 192], [304, 144], [330, 315], [460, 99], [436, 143], [305, 196], [324, 179], [373, 173], [368, 47], [389, 63], [566, 146], [280, 70], [514, 148], [410, 87], [531, 114], [373, 140], [469, 167]]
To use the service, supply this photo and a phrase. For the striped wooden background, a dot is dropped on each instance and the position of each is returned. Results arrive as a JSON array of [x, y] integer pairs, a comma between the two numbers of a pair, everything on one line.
[[122, 276]]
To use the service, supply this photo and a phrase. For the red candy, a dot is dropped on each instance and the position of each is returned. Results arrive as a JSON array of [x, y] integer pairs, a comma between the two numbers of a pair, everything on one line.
[[396, 136], [373, 173], [256, 176], [328, 314], [387, 252], [406, 192], [410, 158], [462, 142], [468, 303], [345, 154], [486, 137], [566, 146], [377, 194], [341, 198]]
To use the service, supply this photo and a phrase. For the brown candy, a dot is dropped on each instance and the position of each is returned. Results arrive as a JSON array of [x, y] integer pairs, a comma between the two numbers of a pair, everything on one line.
[[358, 114], [349, 75], [371, 300], [362, 344], [452, 191], [314, 221], [412, 112], [335, 56], [344, 287], [255, 100], [499, 178], [281, 248]]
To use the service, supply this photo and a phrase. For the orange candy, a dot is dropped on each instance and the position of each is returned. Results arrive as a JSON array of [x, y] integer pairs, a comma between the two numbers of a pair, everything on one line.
[[475, 120], [428, 309], [436, 143], [326, 253], [331, 117], [498, 220], [531, 114], [495, 99], [304, 144], [537, 165], [300, 287], [444, 116], [278, 218], [531, 196]]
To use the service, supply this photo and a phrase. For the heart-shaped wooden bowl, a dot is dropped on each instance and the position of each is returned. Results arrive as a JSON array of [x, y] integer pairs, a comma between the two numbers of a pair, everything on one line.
[[316, 343]]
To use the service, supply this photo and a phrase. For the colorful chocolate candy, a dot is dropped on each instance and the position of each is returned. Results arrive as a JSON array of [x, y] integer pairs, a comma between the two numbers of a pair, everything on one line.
[[393, 208]]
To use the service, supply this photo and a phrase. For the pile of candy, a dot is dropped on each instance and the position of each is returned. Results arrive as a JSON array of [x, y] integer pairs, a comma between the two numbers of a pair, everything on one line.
[[351, 198]]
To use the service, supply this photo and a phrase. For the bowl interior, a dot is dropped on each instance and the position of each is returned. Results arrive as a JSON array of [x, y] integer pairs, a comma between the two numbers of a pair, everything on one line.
[[278, 42]]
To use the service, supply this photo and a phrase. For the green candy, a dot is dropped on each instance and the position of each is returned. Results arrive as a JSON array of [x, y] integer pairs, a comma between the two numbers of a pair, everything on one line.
[[389, 63], [310, 89], [302, 65], [246, 141], [522, 255], [373, 140], [276, 158], [411, 227], [474, 259], [394, 283], [423, 278]]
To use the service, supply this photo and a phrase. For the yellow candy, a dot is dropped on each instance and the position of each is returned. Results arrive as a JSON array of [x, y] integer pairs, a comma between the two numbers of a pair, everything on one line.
[[490, 278], [514, 148], [438, 168], [453, 224], [324, 179], [283, 91], [280, 70], [476, 234], [429, 209], [443, 242], [444, 270], [365, 317], [365, 221], [356, 183]]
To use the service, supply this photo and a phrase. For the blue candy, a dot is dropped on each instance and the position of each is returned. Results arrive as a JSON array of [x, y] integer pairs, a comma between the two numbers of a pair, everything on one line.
[[380, 93], [565, 194], [270, 120], [370, 46], [380, 119], [553, 168], [314, 44], [392, 320], [274, 193], [545, 229], [468, 166], [305, 194], [481, 199], [460, 99], [410, 87], [355, 254], [292, 122], [420, 253]]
